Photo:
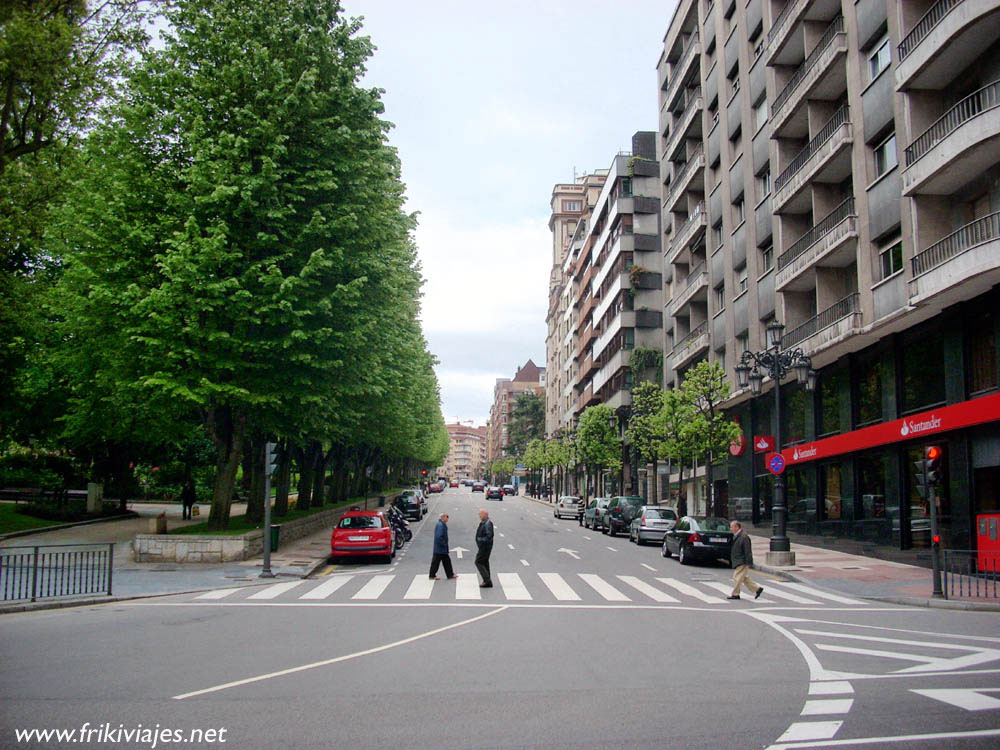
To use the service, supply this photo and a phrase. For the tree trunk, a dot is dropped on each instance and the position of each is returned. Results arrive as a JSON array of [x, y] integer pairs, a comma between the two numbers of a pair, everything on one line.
[[306, 477], [709, 486], [655, 489], [283, 480], [255, 498], [319, 483], [227, 431], [682, 503]]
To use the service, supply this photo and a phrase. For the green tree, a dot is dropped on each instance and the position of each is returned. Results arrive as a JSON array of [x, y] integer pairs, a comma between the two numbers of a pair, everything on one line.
[[642, 433], [527, 421], [597, 443], [673, 424], [705, 388]]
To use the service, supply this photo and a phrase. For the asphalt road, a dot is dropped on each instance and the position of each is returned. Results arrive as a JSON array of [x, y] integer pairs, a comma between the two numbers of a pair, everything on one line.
[[585, 641]]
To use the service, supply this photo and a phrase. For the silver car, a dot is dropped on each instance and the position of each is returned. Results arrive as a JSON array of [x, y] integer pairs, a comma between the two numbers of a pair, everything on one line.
[[568, 507], [651, 523]]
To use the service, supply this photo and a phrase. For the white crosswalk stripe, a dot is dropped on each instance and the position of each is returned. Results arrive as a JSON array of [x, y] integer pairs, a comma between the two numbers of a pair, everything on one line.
[[217, 594], [655, 594], [374, 588], [467, 586], [326, 588], [690, 590], [559, 588], [772, 590], [513, 587], [276, 590], [603, 588], [420, 588], [727, 589], [819, 594]]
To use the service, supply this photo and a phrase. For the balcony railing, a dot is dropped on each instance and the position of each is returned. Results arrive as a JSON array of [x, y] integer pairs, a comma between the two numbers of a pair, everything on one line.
[[679, 66], [693, 277], [697, 331], [832, 30], [825, 133], [685, 174], [928, 21], [779, 19], [838, 311], [972, 234], [976, 103], [817, 233]]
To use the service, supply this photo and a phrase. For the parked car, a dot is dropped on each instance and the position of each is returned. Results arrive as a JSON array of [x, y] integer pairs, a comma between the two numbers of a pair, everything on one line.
[[593, 516], [478, 486], [436, 487], [418, 495], [699, 538], [568, 506], [494, 492], [363, 533], [509, 489], [621, 510], [651, 523], [454, 483], [409, 506]]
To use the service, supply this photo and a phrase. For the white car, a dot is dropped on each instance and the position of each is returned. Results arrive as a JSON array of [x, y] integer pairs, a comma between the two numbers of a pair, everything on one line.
[[568, 506]]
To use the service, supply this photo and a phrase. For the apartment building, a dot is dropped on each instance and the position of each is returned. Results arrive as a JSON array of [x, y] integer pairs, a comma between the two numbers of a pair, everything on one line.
[[834, 165], [529, 378], [467, 452]]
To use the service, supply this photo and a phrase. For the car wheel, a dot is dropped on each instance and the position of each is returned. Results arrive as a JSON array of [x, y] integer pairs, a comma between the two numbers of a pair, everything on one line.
[[665, 551], [682, 557], [604, 529]]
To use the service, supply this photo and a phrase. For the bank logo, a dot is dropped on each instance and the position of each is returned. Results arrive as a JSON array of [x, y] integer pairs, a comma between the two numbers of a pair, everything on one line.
[[911, 427]]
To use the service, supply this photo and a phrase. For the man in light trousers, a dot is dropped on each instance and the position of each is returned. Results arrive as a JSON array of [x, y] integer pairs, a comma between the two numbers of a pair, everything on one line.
[[742, 558]]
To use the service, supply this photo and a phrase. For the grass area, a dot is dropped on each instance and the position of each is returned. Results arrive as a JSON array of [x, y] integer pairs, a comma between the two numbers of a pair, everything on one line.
[[11, 520]]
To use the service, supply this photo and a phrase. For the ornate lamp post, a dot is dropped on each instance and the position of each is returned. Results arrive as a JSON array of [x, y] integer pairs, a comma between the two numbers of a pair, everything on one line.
[[775, 363]]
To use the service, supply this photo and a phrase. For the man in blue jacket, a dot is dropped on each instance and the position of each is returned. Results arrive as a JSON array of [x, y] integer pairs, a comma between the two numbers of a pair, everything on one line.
[[441, 549]]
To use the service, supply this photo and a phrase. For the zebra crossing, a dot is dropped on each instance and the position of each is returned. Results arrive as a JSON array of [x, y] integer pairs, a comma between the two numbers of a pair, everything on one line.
[[542, 587]]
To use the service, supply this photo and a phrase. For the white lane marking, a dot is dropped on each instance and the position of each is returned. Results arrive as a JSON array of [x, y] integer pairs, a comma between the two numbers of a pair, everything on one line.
[[837, 687], [374, 588], [495, 526], [880, 740], [513, 587], [612, 549], [346, 657], [326, 588], [926, 663], [217, 594], [603, 588], [276, 590], [828, 706], [727, 589], [968, 698], [559, 588], [817, 593], [778, 594], [511, 546], [810, 730], [655, 594], [525, 563], [649, 567], [690, 590], [586, 537], [467, 586], [420, 588]]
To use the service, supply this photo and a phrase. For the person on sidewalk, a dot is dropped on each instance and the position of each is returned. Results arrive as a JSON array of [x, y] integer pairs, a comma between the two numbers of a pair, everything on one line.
[[188, 498], [742, 559], [484, 546], [441, 549]]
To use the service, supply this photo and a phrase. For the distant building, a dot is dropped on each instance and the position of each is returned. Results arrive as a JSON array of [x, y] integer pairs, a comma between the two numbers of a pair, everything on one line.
[[467, 453], [529, 378]]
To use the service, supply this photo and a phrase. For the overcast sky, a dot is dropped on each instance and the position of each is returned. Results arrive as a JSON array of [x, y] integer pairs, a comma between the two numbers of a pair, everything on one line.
[[494, 103]]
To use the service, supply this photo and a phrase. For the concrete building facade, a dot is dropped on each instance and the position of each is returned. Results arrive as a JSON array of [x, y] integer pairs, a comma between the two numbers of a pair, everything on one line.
[[466, 457], [529, 378]]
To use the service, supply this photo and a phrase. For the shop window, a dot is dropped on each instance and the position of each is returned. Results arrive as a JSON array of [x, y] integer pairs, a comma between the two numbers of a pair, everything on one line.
[[831, 386], [800, 495], [981, 344], [831, 477], [870, 379], [794, 403], [923, 371]]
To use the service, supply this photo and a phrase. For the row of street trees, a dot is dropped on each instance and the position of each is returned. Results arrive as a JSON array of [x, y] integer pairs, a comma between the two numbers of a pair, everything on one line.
[[218, 250]]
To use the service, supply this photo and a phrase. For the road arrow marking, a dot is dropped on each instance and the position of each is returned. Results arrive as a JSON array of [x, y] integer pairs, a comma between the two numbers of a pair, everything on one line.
[[458, 551], [570, 552], [971, 699]]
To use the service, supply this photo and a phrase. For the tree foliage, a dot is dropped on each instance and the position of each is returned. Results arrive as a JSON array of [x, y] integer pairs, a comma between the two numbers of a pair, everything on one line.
[[527, 421]]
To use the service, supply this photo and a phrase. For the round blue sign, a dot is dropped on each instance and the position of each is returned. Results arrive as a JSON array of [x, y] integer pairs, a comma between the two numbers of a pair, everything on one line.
[[777, 464]]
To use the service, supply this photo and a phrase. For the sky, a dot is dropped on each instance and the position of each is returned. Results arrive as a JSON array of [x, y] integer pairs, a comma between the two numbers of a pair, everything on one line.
[[493, 103]]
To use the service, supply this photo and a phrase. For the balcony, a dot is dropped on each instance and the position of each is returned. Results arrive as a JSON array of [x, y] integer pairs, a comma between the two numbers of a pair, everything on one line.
[[949, 37], [696, 285], [689, 124], [680, 70], [642, 204], [693, 227], [624, 319], [821, 76], [826, 158], [831, 326], [962, 141], [690, 346], [648, 319], [693, 170], [831, 243], [960, 266], [622, 282], [781, 27], [615, 362]]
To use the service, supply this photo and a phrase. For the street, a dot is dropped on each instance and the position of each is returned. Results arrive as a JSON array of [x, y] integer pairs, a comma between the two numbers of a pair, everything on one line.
[[585, 641]]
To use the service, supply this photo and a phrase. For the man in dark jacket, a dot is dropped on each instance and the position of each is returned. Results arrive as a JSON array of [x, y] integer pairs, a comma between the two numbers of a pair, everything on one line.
[[484, 546], [742, 558], [441, 549]]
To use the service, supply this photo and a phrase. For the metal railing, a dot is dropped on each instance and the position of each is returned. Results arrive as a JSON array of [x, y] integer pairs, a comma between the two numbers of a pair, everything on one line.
[[923, 27], [677, 67], [814, 235], [974, 104], [772, 32], [825, 134], [970, 574], [838, 311], [693, 277], [49, 571], [695, 333], [836, 27], [956, 243], [685, 174]]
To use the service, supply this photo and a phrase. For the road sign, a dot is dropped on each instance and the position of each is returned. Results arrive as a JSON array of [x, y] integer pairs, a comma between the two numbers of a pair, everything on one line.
[[775, 463]]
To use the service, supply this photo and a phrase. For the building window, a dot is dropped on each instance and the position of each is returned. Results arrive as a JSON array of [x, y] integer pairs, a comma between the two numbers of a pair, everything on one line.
[[739, 212], [767, 259], [831, 386], [870, 377], [794, 402], [890, 259], [878, 60], [885, 156], [923, 370], [627, 186], [982, 352], [568, 206], [741, 280], [831, 482], [720, 298], [764, 184], [760, 114], [742, 343], [717, 235]]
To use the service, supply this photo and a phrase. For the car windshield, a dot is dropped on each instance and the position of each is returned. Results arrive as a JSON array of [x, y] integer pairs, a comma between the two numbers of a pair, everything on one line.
[[360, 522], [665, 514], [713, 524], [406, 501]]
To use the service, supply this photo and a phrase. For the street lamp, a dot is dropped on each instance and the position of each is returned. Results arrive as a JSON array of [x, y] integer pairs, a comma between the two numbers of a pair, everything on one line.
[[775, 363]]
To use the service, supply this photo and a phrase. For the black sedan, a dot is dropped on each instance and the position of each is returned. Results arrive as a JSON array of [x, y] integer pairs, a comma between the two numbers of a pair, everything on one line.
[[494, 492], [699, 538]]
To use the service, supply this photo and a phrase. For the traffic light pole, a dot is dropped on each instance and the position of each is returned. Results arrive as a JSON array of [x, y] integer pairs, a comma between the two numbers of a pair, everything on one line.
[[266, 570], [935, 544]]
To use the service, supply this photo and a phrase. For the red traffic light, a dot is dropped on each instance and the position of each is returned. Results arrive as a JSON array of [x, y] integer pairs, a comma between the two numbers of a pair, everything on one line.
[[932, 452], [936, 539], [423, 472]]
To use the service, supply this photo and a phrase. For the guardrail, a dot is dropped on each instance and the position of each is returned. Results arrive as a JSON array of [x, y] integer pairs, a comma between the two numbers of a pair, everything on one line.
[[923, 27], [974, 104], [970, 574], [55, 570], [974, 233]]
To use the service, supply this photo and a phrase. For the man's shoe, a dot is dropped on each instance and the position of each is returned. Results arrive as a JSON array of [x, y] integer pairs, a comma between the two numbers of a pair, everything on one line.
[[733, 597], [486, 585], [452, 578], [760, 591], [434, 578]]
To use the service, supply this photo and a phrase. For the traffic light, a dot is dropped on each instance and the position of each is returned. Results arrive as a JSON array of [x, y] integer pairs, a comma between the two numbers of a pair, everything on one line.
[[271, 455], [423, 472], [932, 459]]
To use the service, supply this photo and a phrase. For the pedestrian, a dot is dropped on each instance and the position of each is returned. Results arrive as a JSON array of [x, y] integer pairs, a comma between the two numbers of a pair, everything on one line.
[[742, 559], [441, 549], [188, 497], [484, 546]]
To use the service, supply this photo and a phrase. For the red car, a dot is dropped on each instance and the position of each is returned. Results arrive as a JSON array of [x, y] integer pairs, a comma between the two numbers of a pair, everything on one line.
[[454, 483], [363, 533]]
